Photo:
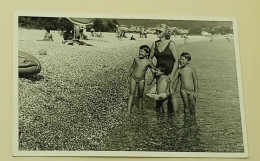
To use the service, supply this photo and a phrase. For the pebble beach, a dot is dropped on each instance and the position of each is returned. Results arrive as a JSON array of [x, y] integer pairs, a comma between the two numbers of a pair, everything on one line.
[[77, 101]]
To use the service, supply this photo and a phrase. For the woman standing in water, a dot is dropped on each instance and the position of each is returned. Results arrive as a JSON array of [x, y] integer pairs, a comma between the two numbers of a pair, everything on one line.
[[165, 52]]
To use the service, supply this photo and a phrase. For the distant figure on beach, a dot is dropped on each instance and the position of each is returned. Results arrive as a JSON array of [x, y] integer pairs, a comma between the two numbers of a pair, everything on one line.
[[92, 32], [132, 37], [143, 33], [60, 32], [99, 34], [47, 36], [185, 38], [137, 75], [120, 32], [188, 83], [165, 52], [81, 35], [68, 35], [160, 87], [211, 38]]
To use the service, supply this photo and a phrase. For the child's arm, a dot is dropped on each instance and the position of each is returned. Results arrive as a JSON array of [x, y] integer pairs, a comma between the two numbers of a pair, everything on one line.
[[174, 51], [152, 65], [153, 70], [152, 51], [195, 81], [175, 77], [131, 69], [152, 82], [51, 38], [152, 55], [174, 81]]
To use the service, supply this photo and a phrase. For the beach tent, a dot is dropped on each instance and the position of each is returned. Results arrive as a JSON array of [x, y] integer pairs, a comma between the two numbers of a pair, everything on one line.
[[183, 31], [79, 23], [205, 33]]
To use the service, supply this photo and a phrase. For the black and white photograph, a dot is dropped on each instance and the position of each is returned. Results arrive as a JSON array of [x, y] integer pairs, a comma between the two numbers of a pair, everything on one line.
[[129, 86]]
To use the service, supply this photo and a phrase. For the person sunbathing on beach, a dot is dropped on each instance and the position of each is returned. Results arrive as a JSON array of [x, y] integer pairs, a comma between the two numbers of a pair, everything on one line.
[[188, 83], [137, 75], [47, 36], [132, 37], [160, 90]]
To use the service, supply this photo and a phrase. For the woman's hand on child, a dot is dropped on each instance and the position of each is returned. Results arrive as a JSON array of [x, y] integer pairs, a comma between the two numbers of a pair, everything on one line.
[[168, 79], [150, 83], [128, 80], [195, 95]]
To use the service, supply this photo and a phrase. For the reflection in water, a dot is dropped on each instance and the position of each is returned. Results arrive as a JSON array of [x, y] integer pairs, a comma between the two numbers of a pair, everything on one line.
[[180, 133], [146, 130], [191, 135]]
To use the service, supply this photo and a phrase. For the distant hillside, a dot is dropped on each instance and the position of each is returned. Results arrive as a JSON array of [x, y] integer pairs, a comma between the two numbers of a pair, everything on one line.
[[109, 25], [184, 24]]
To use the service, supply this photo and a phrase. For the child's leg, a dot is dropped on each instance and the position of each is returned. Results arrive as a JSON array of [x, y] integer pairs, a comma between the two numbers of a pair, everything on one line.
[[174, 99], [158, 106], [162, 96], [131, 93], [192, 104], [185, 99], [141, 93], [165, 105]]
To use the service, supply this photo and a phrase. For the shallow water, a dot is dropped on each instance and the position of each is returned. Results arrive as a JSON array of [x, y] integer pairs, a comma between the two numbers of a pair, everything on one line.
[[216, 127]]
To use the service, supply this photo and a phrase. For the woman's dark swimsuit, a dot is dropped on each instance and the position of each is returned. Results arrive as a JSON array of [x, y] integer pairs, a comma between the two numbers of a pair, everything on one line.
[[164, 57]]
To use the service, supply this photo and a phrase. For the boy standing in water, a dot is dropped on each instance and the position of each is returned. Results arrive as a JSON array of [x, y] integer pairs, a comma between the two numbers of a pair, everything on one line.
[[188, 83], [137, 75]]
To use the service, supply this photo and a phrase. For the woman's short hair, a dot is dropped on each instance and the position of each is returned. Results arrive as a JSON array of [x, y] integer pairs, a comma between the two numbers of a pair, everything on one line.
[[168, 31]]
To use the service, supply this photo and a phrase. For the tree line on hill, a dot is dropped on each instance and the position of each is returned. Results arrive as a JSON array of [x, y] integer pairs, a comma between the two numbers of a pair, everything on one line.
[[57, 23], [109, 25]]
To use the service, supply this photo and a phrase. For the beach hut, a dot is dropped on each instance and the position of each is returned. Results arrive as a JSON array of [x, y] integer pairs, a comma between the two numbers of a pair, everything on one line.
[[80, 23]]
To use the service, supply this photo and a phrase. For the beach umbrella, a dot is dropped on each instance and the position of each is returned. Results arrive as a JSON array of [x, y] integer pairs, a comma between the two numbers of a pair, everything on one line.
[[80, 22]]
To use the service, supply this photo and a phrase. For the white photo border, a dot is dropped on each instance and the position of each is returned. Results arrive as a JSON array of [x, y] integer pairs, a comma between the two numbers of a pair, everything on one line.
[[15, 150]]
